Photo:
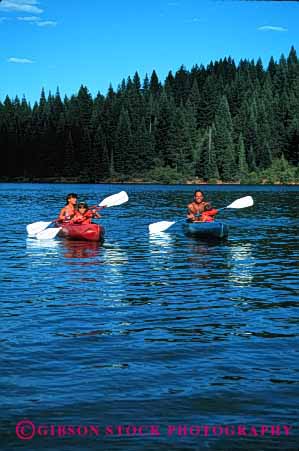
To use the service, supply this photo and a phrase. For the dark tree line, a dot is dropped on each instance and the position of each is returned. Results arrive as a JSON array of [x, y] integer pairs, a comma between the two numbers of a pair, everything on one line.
[[220, 121]]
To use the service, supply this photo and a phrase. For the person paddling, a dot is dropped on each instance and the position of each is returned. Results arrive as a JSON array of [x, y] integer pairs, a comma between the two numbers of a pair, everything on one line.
[[84, 215], [69, 210], [197, 207]]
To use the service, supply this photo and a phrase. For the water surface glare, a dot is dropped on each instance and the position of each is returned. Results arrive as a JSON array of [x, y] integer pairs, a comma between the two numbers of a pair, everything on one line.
[[151, 330]]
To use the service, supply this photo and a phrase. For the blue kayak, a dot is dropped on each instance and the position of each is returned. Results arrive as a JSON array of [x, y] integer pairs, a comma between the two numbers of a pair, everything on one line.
[[213, 229]]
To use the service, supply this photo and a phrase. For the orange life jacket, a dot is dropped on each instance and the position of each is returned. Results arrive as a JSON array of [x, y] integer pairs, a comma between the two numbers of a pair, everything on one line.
[[80, 218], [208, 216]]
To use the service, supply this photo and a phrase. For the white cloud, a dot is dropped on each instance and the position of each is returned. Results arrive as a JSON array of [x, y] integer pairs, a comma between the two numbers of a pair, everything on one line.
[[46, 23], [38, 21], [27, 6], [19, 60], [271, 28], [3, 19], [29, 18]]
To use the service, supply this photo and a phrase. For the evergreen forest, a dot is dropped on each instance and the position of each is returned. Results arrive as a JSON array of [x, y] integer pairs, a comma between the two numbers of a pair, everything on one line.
[[224, 122]]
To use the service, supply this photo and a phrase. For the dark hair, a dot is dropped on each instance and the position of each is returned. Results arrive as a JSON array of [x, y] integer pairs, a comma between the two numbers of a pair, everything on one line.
[[198, 191], [70, 196], [82, 205]]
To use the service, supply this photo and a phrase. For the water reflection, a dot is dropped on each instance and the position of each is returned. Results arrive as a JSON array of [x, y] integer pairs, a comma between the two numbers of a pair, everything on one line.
[[115, 257], [161, 254], [242, 264], [201, 253], [80, 249], [114, 270], [41, 254], [39, 248], [160, 242]]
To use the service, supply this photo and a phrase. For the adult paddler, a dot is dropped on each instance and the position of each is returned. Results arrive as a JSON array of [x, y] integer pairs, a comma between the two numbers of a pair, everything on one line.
[[68, 211], [196, 207]]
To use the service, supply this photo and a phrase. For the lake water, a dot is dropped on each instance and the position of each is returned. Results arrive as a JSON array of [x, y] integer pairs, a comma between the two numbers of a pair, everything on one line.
[[187, 336]]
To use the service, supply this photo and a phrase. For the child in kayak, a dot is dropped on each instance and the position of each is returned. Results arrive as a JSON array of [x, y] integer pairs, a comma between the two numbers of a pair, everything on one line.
[[69, 210], [208, 215], [84, 215], [197, 207]]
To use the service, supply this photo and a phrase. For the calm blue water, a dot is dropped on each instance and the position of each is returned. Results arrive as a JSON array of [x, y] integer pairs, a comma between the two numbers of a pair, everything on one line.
[[161, 330]]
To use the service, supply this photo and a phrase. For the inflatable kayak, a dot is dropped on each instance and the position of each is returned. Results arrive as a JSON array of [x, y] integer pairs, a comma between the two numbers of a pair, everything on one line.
[[213, 229], [82, 232]]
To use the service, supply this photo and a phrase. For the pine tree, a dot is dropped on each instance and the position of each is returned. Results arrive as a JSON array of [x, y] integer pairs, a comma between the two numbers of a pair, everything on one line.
[[155, 85], [85, 106], [223, 141], [102, 163], [210, 97], [242, 170], [88, 157], [58, 107], [206, 165], [184, 146], [250, 136], [146, 85], [42, 101], [71, 166], [190, 118], [60, 142], [272, 67], [181, 86], [109, 121], [293, 145], [165, 148], [194, 100], [280, 78], [251, 159], [169, 85], [282, 121], [123, 158], [142, 149], [263, 141], [133, 101]]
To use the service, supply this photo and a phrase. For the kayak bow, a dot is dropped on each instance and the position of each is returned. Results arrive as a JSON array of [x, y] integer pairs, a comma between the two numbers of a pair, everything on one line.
[[213, 229], [82, 232]]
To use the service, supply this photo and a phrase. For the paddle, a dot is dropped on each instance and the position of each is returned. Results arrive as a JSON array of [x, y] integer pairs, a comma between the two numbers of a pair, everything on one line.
[[36, 228], [114, 200], [161, 226], [47, 234]]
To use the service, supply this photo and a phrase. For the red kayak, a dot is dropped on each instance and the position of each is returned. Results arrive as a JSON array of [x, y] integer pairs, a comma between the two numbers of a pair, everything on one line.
[[82, 232]]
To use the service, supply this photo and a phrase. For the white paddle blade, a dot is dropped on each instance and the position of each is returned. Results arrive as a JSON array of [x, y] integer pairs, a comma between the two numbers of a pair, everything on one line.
[[114, 200], [36, 227], [160, 226], [243, 202], [47, 234]]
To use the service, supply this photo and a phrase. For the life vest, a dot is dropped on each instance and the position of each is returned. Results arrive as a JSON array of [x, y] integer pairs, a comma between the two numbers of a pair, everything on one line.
[[80, 218], [208, 216]]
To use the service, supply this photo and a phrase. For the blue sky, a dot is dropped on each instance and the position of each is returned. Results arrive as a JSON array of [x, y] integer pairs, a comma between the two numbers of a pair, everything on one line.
[[66, 43]]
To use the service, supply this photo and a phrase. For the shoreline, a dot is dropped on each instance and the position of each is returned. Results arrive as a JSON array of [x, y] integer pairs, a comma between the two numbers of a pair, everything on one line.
[[133, 181]]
